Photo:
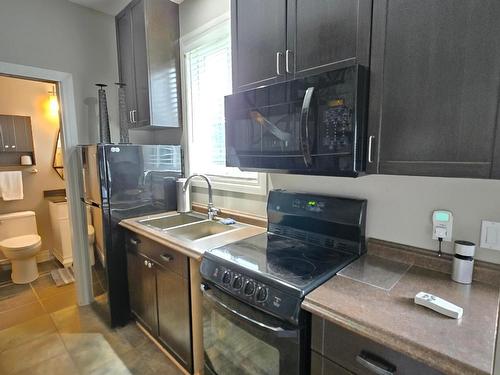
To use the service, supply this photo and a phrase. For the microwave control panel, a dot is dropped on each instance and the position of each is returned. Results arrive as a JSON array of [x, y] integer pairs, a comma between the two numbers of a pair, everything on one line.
[[336, 126]]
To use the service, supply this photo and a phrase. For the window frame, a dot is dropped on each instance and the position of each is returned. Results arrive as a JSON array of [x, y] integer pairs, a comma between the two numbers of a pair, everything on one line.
[[187, 43]]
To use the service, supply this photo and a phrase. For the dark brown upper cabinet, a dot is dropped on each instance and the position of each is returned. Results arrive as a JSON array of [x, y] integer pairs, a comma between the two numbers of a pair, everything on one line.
[[149, 62], [280, 40], [16, 139], [434, 88]]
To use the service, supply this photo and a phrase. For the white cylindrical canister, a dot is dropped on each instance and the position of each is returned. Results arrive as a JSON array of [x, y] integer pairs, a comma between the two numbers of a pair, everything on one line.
[[183, 197], [463, 262]]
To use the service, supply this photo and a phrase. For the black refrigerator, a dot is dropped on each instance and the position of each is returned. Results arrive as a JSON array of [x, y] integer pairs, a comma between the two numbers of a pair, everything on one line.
[[123, 181]]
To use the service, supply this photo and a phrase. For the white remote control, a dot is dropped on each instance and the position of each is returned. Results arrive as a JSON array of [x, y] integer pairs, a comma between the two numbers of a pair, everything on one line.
[[439, 305]]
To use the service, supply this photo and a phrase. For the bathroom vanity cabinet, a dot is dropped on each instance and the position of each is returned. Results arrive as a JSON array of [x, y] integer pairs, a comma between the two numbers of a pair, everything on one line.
[[159, 291]]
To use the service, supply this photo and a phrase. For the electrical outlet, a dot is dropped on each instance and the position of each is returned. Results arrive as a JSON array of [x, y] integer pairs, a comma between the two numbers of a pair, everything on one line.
[[490, 235]]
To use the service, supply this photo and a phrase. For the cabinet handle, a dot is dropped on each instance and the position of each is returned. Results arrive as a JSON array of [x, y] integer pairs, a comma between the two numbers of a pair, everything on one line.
[[6, 146], [150, 265], [278, 63], [167, 257], [130, 116], [287, 61], [146, 263], [375, 364], [135, 242], [134, 112], [13, 146], [370, 143]]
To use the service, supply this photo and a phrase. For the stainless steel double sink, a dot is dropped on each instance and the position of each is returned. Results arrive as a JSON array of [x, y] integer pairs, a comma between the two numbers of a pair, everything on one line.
[[188, 226]]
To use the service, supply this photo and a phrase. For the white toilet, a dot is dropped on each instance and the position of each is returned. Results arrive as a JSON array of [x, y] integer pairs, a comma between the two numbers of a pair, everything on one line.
[[61, 231], [20, 242]]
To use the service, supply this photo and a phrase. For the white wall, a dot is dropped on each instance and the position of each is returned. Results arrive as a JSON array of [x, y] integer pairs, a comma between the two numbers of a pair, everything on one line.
[[62, 36]]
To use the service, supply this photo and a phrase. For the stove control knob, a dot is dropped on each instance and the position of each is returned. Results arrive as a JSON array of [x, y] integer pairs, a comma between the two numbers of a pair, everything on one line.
[[237, 282], [261, 295], [249, 288], [226, 277]]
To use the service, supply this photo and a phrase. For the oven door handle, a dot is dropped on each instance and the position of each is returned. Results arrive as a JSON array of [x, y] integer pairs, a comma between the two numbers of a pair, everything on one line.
[[304, 127], [207, 293]]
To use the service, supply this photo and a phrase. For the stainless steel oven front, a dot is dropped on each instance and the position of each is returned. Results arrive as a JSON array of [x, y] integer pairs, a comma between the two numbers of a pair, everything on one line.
[[239, 339]]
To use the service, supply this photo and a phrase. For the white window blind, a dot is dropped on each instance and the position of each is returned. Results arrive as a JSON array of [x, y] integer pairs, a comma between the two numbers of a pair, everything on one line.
[[208, 73]]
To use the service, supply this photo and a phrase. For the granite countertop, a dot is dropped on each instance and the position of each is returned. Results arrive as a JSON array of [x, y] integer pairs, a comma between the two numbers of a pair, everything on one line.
[[193, 249], [374, 298]]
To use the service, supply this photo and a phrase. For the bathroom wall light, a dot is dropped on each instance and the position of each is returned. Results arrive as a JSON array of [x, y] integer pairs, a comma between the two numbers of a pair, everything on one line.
[[53, 103]]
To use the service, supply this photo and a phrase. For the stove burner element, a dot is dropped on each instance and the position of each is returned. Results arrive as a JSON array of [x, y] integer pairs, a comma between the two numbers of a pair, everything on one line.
[[292, 266]]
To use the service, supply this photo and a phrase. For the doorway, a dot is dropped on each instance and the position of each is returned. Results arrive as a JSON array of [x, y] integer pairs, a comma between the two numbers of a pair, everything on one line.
[[72, 168]]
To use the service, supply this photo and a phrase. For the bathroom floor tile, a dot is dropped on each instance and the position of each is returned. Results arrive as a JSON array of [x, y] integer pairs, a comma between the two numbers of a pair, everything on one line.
[[46, 287], [59, 301], [23, 297], [77, 319], [31, 353], [10, 289], [21, 314], [25, 332]]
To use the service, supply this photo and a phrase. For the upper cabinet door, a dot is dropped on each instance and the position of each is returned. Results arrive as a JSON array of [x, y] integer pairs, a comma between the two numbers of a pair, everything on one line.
[[126, 59], [435, 74], [258, 42], [8, 133], [22, 130], [141, 116], [327, 34]]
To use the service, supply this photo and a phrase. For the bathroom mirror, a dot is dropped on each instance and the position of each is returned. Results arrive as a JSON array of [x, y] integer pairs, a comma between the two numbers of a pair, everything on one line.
[[57, 164]]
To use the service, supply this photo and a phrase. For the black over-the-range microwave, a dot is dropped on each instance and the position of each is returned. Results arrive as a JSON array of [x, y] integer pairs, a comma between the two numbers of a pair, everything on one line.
[[313, 125]]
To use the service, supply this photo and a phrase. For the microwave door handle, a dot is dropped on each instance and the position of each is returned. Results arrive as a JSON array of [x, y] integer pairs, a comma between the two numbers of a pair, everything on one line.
[[216, 301], [304, 127]]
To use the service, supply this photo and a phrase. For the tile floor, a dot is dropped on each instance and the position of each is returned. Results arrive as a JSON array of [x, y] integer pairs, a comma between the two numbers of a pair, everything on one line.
[[43, 331]]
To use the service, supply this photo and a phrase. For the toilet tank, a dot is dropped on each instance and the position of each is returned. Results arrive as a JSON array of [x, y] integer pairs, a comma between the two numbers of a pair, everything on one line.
[[17, 224]]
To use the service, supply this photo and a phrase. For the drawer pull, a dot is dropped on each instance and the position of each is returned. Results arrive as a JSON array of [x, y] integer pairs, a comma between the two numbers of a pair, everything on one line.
[[375, 364], [167, 257], [135, 242]]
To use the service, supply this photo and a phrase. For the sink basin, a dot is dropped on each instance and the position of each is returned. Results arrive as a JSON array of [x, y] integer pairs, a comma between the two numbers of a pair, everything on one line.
[[196, 231], [171, 221]]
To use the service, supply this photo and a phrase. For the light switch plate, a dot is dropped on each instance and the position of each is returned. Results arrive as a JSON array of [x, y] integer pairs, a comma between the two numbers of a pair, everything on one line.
[[490, 235]]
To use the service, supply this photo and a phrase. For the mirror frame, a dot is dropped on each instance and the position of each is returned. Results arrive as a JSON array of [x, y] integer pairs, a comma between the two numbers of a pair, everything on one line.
[[58, 168]]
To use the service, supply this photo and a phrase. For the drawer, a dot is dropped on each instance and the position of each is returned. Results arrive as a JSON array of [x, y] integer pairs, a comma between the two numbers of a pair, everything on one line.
[[162, 255], [323, 366], [361, 355]]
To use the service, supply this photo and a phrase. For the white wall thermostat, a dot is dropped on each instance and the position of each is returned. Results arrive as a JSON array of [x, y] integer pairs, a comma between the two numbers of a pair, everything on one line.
[[442, 223]]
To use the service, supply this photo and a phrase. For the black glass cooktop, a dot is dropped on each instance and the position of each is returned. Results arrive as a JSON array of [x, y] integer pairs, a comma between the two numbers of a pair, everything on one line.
[[292, 263]]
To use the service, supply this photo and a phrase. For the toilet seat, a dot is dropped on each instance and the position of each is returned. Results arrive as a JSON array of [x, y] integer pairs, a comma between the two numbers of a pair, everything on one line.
[[26, 242]]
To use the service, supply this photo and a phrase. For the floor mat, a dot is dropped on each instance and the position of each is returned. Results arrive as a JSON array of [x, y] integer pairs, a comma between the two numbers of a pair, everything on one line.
[[63, 276]]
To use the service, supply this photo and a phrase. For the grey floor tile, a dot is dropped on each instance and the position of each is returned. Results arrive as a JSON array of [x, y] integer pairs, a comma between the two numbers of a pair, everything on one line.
[[59, 365], [59, 301], [46, 287], [26, 332], [21, 298], [9, 290], [31, 353]]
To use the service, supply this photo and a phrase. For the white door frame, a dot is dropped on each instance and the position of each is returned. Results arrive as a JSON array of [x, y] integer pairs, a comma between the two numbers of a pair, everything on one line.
[[72, 170]]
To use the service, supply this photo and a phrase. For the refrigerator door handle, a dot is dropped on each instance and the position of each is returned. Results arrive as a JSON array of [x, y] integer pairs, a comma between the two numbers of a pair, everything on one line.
[[90, 203]]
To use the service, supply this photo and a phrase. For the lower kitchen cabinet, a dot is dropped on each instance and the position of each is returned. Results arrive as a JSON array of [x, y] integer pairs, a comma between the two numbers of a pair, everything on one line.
[[336, 350], [159, 291]]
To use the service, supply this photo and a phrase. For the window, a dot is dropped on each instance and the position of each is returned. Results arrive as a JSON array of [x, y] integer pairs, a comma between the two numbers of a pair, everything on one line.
[[207, 72]]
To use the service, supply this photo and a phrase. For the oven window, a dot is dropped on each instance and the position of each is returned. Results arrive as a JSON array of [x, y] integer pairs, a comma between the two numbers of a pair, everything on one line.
[[231, 350]]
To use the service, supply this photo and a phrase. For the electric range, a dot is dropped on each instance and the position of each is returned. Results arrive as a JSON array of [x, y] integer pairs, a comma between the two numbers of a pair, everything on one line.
[[253, 288]]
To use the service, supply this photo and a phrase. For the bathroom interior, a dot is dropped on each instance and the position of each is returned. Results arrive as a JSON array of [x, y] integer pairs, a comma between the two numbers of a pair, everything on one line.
[[36, 272]]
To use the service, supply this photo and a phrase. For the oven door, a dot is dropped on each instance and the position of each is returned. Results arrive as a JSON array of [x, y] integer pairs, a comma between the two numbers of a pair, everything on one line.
[[239, 339]]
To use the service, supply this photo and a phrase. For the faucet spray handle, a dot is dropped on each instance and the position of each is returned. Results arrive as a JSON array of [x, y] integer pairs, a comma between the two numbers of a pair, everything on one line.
[[212, 212]]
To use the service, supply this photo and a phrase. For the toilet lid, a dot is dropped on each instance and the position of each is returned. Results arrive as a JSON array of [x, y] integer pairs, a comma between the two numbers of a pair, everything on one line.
[[21, 241]]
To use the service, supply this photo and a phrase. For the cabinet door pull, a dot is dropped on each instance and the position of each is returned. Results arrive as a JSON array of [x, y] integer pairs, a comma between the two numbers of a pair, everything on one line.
[[130, 117], [167, 257], [150, 264], [134, 112], [146, 263], [135, 242], [370, 144], [13, 146], [375, 364], [278, 63], [287, 61]]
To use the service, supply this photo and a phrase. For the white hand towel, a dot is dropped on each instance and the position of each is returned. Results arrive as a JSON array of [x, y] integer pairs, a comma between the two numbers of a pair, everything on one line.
[[11, 185]]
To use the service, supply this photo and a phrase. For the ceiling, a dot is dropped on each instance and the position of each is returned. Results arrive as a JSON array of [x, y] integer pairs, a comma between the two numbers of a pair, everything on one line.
[[111, 7]]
